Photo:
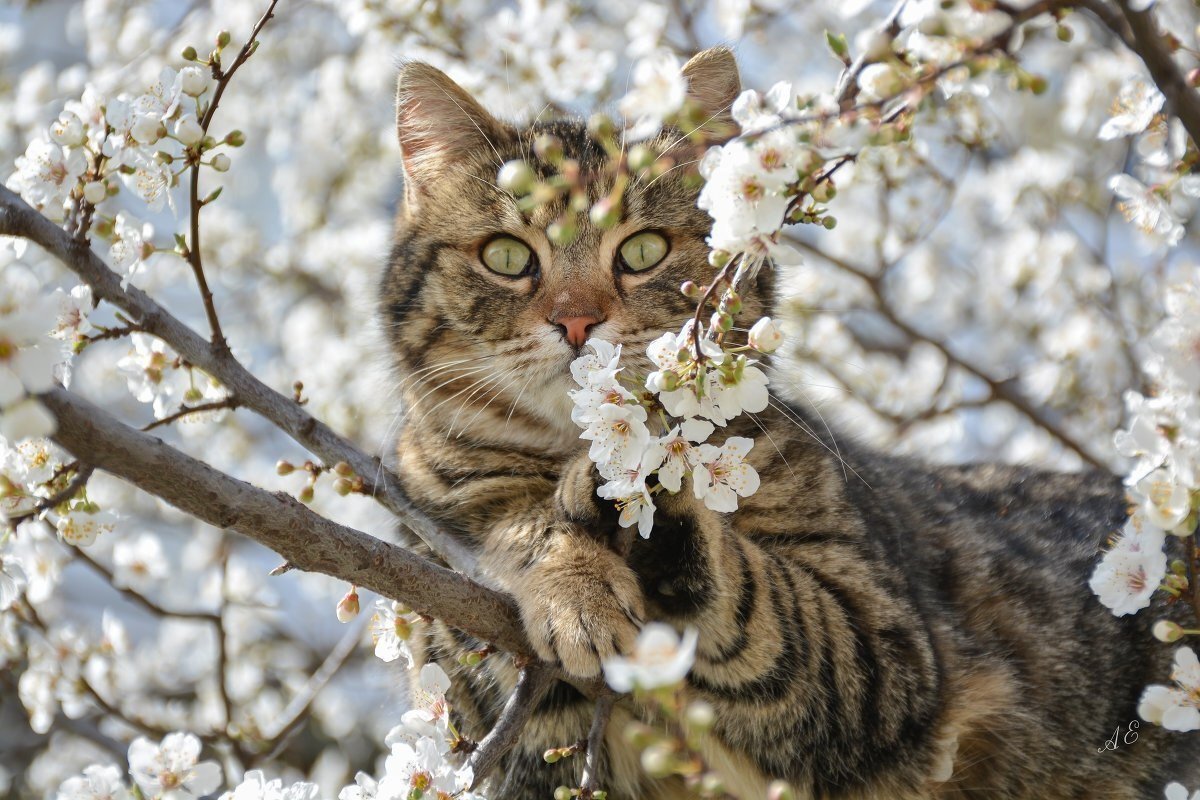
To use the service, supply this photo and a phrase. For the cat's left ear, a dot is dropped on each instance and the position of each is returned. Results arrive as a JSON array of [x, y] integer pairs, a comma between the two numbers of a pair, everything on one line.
[[438, 124], [714, 83]]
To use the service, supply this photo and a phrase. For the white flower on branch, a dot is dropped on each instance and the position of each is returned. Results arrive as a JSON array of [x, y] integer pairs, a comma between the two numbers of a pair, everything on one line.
[[633, 498], [390, 629], [660, 658], [421, 770], [657, 94], [81, 527], [96, 783], [1147, 208], [722, 476], [1176, 708], [47, 174], [127, 247], [172, 770], [618, 435], [146, 368], [1131, 571], [255, 786], [1175, 790], [1134, 107]]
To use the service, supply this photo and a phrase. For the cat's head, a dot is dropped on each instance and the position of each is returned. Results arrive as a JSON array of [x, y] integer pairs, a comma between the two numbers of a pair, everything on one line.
[[476, 291]]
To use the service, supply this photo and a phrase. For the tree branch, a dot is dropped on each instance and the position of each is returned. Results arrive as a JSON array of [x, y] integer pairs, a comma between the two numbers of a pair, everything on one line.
[[1000, 389], [282, 523], [18, 218], [595, 743], [532, 684], [1140, 34]]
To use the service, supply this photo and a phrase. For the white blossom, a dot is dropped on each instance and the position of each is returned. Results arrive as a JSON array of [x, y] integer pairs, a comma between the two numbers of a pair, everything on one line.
[[1176, 708], [722, 474], [1131, 571], [172, 769], [657, 93], [255, 786], [1133, 109], [660, 658], [389, 630]]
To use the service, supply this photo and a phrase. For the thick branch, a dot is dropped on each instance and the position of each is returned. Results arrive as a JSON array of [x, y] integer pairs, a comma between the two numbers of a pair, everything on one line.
[[17, 218], [283, 524]]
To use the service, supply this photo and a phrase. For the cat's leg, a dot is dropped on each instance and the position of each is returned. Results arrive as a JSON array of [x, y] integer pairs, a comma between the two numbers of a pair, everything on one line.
[[579, 601]]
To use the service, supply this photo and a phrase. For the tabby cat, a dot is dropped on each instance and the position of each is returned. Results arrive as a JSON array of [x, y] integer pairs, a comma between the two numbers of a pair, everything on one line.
[[894, 631]]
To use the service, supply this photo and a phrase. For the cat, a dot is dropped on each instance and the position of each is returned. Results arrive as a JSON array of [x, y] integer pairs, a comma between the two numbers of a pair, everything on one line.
[[884, 629]]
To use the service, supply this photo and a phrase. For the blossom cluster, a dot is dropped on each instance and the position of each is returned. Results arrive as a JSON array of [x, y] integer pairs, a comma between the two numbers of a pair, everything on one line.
[[698, 386], [1163, 440]]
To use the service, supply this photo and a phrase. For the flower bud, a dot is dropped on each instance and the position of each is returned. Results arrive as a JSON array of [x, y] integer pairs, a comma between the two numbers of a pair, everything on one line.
[[223, 39], [879, 82], [601, 126], [640, 157], [657, 760], [700, 715], [824, 191], [517, 177], [221, 162], [343, 486], [347, 607], [193, 81], [562, 793], [1167, 631], [765, 336], [189, 53], [779, 790], [306, 494], [235, 138], [721, 321], [718, 258], [690, 289], [192, 395], [146, 130], [471, 658], [284, 468], [188, 131], [553, 756], [343, 469], [1064, 33], [605, 213], [562, 232], [829, 223], [94, 192], [548, 148]]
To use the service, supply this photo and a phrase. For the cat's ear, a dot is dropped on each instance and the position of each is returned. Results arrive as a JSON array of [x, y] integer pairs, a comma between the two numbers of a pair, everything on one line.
[[714, 83], [438, 123]]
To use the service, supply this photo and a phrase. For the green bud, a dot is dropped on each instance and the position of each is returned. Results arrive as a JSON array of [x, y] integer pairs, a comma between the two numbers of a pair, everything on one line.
[[639, 734], [343, 469], [830, 223], [284, 468], [223, 39], [517, 177], [641, 157], [562, 793], [343, 486], [1179, 567], [548, 148], [780, 791], [600, 794], [711, 785], [1064, 33], [553, 756], [189, 53], [838, 46], [605, 213], [824, 191], [689, 289], [670, 381], [471, 658], [1167, 631], [601, 126], [192, 395], [1038, 84], [700, 715], [562, 232], [658, 760], [719, 258], [235, 138], [306, 494]]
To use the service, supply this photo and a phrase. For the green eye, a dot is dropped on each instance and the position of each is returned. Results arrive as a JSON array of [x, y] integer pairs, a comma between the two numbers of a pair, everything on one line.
[[643, 250], [506, 256]]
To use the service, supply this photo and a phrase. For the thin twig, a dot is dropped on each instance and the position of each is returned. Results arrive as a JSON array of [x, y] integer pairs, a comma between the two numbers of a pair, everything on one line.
[[298, 709], [229, 402], [193, 249], [595, 743], [137, 597], [83, 473], [532, 684], [847, 85]]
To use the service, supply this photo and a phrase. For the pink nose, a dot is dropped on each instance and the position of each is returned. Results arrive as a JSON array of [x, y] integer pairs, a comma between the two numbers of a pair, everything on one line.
[[575, 329]]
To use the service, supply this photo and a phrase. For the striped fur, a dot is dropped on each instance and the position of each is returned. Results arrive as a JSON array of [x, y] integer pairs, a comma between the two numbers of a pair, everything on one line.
[[870, 627]]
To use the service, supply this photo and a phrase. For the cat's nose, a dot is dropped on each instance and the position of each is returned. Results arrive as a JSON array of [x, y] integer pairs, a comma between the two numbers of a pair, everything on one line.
[[575, 329]]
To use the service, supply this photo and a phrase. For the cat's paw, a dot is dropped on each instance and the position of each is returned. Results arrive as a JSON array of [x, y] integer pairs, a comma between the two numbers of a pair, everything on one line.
[[581, 605], [578, 502]]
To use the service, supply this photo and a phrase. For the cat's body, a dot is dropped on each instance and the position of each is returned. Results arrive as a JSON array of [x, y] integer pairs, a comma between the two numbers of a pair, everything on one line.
[[869, 627]]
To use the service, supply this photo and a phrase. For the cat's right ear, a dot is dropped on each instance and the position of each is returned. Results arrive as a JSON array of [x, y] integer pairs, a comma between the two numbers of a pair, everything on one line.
[[437, 124]]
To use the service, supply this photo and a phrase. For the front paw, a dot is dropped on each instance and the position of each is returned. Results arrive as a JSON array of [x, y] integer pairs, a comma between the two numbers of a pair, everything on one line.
[[578, 502], [581, 604]]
